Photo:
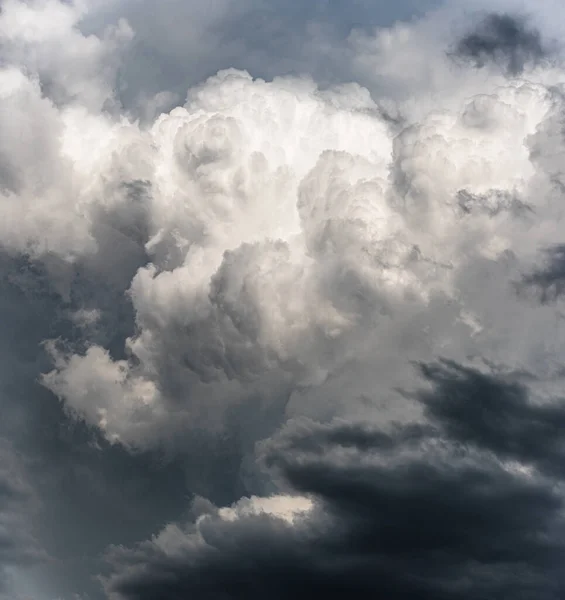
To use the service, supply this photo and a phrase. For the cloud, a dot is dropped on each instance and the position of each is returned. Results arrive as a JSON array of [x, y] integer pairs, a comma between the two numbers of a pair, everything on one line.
[[313, 222], [505, 39], [290, 230], [502, 416], [178, 44], [214, 150], [43, 38], [413, 511], [548, 279], [18, 508]]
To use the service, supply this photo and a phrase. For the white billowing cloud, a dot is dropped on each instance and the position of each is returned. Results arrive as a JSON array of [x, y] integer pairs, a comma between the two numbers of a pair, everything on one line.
[[298, 244], [111, 397], [41, 210], [231, 294], [54, 81], [42, 36], [305, 244]]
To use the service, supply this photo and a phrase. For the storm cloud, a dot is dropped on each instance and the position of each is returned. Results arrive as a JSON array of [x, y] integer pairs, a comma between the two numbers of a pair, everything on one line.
[[19, 504], [281, 293], [412, 511]]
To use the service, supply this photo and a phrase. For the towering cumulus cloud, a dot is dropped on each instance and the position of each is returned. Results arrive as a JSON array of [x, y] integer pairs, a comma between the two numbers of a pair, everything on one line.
[[299, 333]]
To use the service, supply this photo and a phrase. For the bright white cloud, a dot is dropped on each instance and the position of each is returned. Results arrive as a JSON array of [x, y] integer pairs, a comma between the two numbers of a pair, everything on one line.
[[296, 235]]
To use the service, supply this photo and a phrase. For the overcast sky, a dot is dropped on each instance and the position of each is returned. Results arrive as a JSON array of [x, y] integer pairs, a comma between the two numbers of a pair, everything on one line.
[[282, 299]]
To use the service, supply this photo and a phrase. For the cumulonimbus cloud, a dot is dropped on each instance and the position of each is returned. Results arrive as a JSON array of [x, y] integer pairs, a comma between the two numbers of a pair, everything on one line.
[[284, 250], [289, 231]]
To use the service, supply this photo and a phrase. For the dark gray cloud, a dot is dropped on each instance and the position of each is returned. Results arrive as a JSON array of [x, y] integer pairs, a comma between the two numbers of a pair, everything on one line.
[[452, 509], [91, 493], [19, 504], [504, 39], [491, 203], [549, 279], [497, 414]]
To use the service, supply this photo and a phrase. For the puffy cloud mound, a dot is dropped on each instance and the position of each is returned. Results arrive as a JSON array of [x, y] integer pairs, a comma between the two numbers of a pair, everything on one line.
[[239, 223], [290, 231]]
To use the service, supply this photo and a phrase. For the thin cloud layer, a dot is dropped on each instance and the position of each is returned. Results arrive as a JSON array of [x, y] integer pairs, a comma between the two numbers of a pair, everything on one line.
[[332, 300]]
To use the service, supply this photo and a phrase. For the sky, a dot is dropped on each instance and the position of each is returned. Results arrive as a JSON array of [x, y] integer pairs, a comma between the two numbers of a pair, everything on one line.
[[282, 299]]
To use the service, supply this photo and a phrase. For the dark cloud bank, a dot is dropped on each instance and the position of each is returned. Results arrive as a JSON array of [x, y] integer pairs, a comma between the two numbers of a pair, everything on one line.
[[283, 337], [467, 506]]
